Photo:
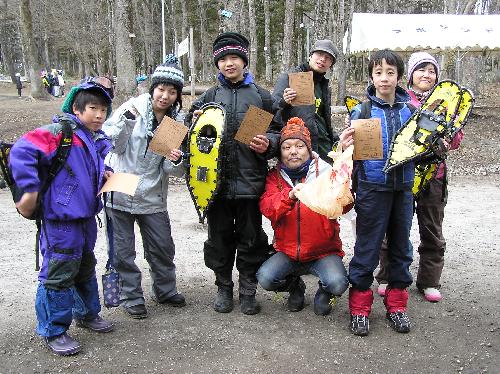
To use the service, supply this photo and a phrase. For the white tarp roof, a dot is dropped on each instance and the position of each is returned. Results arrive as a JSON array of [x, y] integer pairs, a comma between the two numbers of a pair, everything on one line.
[[423, 31]]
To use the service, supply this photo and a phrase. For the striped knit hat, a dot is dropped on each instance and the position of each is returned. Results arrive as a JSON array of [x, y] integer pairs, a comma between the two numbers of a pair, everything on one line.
[[169, 73], [230, 43]]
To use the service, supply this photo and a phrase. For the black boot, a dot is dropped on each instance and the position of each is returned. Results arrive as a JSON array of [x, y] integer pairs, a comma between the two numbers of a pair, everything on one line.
[[322, 305], [296, 289], [224, 300], [249, 305]]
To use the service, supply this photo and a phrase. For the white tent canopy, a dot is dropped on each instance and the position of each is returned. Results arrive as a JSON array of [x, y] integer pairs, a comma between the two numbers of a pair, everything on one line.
[[423, 31]]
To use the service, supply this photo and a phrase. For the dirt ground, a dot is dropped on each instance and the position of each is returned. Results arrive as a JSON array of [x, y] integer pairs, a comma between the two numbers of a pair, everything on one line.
[[460, 334]]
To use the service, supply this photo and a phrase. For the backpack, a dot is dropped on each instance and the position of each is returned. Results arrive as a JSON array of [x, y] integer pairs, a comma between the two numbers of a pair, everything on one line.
[[59, 161]]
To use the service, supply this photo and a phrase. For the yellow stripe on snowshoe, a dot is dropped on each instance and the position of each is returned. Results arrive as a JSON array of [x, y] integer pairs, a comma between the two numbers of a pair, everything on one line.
[[350, 102]]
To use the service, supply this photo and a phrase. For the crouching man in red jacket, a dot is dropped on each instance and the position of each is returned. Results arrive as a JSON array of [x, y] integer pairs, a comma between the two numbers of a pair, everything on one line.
[[306, 242]]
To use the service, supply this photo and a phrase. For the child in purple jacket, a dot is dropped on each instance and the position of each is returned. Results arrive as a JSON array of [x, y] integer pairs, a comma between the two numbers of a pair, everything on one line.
[[67, 287]]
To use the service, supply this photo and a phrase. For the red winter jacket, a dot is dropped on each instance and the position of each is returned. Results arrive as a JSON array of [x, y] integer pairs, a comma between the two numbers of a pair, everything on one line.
[[300, 233]]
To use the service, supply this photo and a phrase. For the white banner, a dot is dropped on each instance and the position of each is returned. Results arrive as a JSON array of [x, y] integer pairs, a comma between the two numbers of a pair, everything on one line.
[[183, 47]]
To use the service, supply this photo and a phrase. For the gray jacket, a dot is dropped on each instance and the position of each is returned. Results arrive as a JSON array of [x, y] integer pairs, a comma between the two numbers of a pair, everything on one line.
[[130, 155]]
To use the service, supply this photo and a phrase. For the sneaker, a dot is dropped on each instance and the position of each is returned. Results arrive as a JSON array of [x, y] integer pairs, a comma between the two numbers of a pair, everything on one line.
[[399, 321], [323, 302], [97, 324], [249, 305], [296, 298], [224, 300], [136, 311], [63, 345], [382, 287], [360, 325], [178, 301], [432, 294]]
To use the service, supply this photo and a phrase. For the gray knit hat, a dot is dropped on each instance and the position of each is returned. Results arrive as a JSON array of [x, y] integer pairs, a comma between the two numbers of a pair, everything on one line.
[[325, 45], [169, 73]]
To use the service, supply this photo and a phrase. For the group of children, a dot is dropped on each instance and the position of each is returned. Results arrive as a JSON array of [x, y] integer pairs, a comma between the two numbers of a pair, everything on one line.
[[304, 241]]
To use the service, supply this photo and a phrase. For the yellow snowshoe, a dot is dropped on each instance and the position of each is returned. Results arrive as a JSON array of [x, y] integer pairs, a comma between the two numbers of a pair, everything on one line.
[[350, 102], [204, 163], [422, 134]]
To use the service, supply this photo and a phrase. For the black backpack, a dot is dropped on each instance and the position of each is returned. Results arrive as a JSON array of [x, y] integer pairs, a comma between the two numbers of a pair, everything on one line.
[[58, 163]]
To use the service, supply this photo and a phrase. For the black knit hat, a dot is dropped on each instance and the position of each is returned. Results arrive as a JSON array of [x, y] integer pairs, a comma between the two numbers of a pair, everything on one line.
[[230, 43]]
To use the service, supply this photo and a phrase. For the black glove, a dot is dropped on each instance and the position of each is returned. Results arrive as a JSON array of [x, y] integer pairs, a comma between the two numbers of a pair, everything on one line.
[[129, 115]]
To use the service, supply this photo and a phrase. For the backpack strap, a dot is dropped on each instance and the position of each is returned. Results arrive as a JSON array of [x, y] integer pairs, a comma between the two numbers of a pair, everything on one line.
[[267, 100]]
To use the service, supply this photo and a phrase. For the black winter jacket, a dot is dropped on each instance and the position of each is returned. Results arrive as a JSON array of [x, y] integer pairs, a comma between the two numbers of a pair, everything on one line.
[[286, 111], [243, 170]]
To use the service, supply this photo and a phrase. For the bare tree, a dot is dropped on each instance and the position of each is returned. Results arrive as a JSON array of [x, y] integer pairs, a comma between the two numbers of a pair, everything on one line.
[[31, 56], [125, 67], [253, 38], [288, 35], [267, 43]]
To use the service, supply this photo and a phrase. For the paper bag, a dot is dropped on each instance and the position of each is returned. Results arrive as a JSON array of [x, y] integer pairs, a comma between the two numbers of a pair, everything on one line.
[[330, 192]]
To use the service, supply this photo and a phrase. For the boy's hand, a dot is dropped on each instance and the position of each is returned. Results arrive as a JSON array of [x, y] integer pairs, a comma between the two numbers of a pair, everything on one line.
[[347, 138], [259, 143], [175, 155], [26, 206], [289, 95]]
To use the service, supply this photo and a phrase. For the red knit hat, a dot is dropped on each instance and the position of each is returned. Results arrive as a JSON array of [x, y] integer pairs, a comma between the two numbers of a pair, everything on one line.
[[296, 129]]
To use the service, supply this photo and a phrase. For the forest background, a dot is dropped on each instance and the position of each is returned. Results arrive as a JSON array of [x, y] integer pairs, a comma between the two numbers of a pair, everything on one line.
[[123, 37]]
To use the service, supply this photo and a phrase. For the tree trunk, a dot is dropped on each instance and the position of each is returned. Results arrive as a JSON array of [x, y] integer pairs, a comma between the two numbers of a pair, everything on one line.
[[288, 35], [31, 56], [205, 53], [343, 67], [253, 38], [267, 42], [125, 66]]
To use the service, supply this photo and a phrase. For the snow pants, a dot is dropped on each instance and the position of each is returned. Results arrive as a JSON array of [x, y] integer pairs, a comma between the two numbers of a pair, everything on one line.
[[68, 285]]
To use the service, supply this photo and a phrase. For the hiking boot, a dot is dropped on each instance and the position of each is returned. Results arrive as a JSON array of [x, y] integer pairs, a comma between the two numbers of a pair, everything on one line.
[[360, 325], [136, 311], [399, 321], [322, 302], [224, 300], [432, 294], [249, 305], [295, 301], [63, 345], [382, 287], [97, 324], [178, 301]]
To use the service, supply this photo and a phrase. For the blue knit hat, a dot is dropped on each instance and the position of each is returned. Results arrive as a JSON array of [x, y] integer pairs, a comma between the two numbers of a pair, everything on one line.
[[169, 73]]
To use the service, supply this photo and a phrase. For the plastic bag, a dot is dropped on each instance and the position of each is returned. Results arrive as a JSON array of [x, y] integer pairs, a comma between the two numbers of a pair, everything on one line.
[[330, 192]]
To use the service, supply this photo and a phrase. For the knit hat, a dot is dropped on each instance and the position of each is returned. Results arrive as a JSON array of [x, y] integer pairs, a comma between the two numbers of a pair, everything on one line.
[[295, 128], [169, 73], [327, 46], [230, 43], [418, 58], [87, 84]]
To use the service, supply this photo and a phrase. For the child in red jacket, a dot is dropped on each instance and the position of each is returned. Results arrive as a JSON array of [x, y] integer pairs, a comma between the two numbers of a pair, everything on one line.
[[306, 242]]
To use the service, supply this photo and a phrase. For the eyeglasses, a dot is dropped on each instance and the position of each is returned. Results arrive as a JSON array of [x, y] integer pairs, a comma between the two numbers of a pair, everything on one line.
[[104, 82]]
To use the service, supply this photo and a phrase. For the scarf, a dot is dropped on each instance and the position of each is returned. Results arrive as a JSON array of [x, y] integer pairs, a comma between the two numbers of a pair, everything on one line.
[[421, 96], [299, 172]]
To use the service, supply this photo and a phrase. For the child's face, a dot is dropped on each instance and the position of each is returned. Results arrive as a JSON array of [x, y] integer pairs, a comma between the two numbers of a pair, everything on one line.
[[385, 80], [320, 62], [164, 96], [424, 78], [93, 116], [232, 67]]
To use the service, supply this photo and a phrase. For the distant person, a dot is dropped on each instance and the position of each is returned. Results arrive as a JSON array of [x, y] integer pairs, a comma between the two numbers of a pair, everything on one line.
[[306, 242], [19, 84], [61, 82], [234, 220], [384, 202], [67, 288], [317, 116], [131, 129], [423, 74]]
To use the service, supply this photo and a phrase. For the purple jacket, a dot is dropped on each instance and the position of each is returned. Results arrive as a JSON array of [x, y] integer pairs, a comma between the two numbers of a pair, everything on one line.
[[73, 192]]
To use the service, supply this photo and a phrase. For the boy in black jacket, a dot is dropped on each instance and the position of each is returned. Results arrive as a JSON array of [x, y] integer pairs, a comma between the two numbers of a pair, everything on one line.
[[234, 218]]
